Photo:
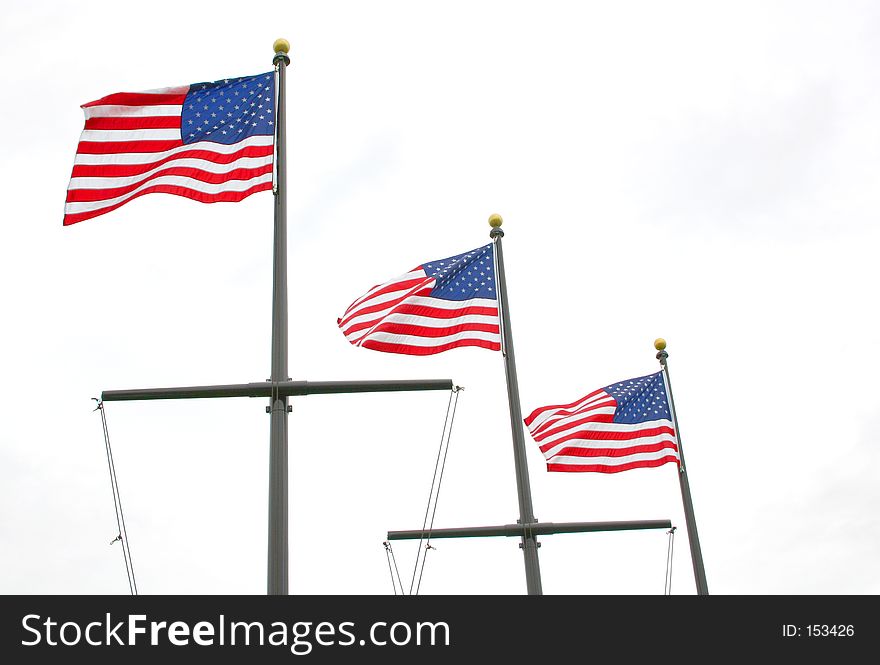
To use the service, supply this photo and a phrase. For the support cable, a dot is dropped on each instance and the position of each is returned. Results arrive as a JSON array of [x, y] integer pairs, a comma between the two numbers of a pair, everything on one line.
[[437, 496], [428, 546], [667, 590], [435, 481], [389, 554], [122, 534]]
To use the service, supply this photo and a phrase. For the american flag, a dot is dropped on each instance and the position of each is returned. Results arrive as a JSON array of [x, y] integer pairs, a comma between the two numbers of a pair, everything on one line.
[[206, 141], [622, 426], [434, 307]]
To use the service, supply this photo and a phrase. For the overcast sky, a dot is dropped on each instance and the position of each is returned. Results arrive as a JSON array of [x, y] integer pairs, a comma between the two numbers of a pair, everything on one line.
[[703, 172]]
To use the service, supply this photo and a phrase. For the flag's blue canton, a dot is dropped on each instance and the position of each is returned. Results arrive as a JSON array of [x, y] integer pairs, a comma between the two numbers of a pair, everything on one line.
[[640, 400], [230, 110], [465, 276]]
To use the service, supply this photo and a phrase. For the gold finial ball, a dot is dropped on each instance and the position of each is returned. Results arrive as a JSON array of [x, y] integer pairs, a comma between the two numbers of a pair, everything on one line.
[[659, 343], [495, 221], [281, 46]]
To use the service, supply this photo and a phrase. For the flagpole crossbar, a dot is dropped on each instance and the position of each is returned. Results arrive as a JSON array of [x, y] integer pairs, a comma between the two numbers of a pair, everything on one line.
[[535, 529], [275, 389]]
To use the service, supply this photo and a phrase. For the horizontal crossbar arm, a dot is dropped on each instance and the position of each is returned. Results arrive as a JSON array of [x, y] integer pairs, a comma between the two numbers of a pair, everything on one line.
[[538, 529], [280, 388]]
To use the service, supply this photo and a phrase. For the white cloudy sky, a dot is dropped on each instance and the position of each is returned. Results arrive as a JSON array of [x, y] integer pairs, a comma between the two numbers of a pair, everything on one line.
[[703, 172]]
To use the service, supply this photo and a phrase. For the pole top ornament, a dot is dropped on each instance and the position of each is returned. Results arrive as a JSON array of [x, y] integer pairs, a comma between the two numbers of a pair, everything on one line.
[[281, 46], [495, 223], [659, 343]]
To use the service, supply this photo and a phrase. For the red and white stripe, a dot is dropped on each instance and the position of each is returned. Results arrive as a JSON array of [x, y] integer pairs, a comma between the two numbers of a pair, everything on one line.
[[581, 436], [131, 146], [400, 316]]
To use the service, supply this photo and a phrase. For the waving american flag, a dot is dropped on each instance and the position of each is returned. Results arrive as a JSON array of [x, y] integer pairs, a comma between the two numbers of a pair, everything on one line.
[[437, 306], [623, 426], [206, 141]]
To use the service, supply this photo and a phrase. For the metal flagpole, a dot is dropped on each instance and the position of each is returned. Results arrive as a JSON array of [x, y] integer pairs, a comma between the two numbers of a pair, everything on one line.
[[278, 547], [529, 542], [279, 388], [693, 538]]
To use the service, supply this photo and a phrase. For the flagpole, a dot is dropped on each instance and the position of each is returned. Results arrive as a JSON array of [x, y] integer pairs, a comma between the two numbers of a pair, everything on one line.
[[529, 544], [278, 544], [693, 538]]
